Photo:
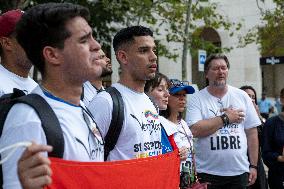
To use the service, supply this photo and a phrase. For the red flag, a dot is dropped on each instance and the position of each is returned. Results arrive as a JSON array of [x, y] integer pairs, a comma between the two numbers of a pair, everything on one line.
[[158, 172]]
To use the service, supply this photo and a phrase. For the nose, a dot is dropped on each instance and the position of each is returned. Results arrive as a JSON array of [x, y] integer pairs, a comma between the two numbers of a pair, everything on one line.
[[153, 57], [95, 46], [182, 97], [107, 60], [220, 70], [167, 93]]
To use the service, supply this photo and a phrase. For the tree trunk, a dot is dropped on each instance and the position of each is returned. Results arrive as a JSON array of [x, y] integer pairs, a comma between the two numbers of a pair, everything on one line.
[[185, 41]]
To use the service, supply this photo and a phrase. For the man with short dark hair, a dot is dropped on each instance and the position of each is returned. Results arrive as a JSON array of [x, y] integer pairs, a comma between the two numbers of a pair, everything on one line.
[[140, 136], [224, 121], [93, 87], [15, 66], [58, 40]]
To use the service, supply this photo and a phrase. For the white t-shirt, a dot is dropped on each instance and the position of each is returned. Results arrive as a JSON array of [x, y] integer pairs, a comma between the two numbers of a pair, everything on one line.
[[183, 135], [23, 124], [183, 138], [141, 131], [89, 92], [223, 153], [169, 126], [9, 80]]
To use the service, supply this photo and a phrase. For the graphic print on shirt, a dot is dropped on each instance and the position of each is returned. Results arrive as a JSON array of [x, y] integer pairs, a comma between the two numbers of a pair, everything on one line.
[[187, 170], [95, 148], [227, 137], [150, 128]]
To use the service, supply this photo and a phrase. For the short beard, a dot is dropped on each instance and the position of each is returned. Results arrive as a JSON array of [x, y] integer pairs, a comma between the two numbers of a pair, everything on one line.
[[152, 76], [106, 72], [219, 84]]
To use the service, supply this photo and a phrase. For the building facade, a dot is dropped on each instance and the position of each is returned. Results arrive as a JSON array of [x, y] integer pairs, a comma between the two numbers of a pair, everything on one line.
[[245, 64]]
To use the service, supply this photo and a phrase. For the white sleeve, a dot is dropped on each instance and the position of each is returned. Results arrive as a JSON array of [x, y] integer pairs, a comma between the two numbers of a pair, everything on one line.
[[180, 143], [169, 126], [101, 108], [193, 111], [22, 124]]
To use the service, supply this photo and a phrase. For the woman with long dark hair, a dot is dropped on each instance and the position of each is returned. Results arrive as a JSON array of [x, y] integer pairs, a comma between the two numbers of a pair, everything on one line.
[[176, 106], [261, 181], [157, 90]]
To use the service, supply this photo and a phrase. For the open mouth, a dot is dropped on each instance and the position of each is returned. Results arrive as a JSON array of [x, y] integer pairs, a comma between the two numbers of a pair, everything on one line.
[[153, 67]]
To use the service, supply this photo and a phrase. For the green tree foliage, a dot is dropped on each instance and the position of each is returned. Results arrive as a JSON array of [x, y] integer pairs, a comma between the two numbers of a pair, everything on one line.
[[270, 36], [166, 17], [6, 5]]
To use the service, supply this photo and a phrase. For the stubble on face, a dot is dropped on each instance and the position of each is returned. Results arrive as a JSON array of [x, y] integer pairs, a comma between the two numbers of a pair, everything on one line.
[[146, 56], [81, 51], [106, 65], [106, 72], [21, 58], [218, 73], [219, 84]]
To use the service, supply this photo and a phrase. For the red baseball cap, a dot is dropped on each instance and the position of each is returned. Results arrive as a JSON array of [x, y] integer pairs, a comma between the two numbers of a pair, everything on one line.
[[8, 22]]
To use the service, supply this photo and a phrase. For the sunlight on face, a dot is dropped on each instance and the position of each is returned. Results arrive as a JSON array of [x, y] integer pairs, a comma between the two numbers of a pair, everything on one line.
[[161, 95]]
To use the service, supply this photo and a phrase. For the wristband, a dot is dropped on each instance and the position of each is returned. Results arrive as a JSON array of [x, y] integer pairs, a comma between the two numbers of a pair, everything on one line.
[[253, 166], [225, 119]]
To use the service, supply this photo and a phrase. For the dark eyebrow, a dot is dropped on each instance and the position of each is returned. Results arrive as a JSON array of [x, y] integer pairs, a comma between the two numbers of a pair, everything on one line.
[[86, 36], [146, 48]]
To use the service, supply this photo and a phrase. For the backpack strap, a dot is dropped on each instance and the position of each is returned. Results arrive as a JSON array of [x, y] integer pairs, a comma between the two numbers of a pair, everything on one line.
[[5, 105], [116, 121], [49, 121], [82, 94]]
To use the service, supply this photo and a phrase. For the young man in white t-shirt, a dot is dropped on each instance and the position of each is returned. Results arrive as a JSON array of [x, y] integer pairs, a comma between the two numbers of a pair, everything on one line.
[[93, 87], [15, 66], [141, 131], [224, 121], [58, 40]]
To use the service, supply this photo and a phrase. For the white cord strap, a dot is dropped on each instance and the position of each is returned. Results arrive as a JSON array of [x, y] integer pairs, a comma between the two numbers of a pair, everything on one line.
[[12, 149]]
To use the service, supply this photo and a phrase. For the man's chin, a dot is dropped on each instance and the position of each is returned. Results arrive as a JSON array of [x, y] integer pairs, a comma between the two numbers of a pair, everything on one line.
[[220, 84], [151, 76], [106, 73]]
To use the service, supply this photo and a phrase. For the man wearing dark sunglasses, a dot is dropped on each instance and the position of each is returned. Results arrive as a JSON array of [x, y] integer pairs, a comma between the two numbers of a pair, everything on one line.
[[224, 120]]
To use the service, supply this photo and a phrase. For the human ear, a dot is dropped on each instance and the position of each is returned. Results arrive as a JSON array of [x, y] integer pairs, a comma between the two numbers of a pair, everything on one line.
[[52, 55]]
